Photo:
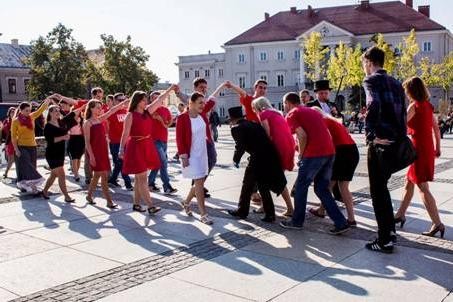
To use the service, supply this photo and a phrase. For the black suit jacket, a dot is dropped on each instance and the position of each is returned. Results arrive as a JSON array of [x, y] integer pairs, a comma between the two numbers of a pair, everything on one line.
[[316, 103], [251, 137]]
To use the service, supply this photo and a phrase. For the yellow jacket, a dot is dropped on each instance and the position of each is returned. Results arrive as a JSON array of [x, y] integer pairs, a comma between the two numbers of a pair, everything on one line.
[[23, 136]]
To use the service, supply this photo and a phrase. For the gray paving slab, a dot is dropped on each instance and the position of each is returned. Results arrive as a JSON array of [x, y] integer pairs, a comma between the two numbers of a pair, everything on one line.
[[17, 245], [6, 295], [249, 275]]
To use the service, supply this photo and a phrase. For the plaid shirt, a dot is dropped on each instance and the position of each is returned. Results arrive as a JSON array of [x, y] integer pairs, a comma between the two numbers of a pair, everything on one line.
[[386, 107]]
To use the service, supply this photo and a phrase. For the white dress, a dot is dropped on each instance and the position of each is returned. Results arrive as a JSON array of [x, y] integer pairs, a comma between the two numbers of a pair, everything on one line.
[[198, 160]]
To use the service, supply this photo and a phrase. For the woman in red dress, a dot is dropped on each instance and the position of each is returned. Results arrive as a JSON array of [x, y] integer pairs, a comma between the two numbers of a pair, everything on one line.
[[421, 123], [278, 131], [6, 131], [137, 148], [97, 149]]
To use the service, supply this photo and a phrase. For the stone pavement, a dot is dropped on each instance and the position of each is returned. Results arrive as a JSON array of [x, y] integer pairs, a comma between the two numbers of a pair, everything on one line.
[[52, 251]]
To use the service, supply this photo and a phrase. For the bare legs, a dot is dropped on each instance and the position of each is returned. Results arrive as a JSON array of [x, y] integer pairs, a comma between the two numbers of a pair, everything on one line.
[[197, 191], [9, 165], [289, 205], [103, 175], [75, 166], [57, 173], [346, 196]]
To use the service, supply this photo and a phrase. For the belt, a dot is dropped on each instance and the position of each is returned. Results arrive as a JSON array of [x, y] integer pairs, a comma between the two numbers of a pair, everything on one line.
[[140, 138]]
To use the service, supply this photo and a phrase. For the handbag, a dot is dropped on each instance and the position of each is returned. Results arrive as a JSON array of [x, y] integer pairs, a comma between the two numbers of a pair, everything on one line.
[[404, 154]]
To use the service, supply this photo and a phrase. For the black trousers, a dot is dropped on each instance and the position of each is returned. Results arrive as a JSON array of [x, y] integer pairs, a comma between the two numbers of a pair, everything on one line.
[[248, 187], [378, 169]]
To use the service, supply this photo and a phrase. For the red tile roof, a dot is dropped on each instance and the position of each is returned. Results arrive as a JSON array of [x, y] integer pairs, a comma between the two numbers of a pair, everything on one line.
[[380, 17]]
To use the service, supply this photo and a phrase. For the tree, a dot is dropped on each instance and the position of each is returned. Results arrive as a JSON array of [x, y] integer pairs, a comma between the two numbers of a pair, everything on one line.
[[337, 69], [425, 70], [390, 63], [355, 77], [124, 67], [57, 64], [314, 56], [442, 74], [406, 67]]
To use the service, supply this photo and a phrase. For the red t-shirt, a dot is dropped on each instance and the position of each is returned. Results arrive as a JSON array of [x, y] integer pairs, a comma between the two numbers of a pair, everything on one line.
[[116, 123], [159, 131], [319, 141], [339, 133], [250, 115]]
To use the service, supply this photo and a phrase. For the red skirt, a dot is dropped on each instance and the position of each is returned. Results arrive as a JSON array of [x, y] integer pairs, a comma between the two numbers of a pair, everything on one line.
[[140, 155]]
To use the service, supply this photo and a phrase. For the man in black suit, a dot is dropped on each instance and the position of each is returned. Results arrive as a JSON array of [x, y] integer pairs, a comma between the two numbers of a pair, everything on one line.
[[263, 168], [322, 90]]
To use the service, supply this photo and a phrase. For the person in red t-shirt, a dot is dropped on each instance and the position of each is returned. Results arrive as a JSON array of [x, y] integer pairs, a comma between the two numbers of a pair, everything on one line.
[[161, 120], [115, 124], [346, 161], [316, 155]]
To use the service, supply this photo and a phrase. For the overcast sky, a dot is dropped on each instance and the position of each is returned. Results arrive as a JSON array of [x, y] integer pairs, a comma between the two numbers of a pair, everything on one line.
[[165, 29]]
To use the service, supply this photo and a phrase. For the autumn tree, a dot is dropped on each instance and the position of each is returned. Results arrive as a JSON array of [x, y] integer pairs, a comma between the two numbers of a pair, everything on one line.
[[406, 66], [390, 62], [314, 57]]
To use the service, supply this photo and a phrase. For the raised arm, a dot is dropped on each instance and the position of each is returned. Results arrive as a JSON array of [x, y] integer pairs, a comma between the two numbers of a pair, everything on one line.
[[112, 110], [218, 90], [182, 96], [66, 99], [35, 114], [160, 100], [126, 132], [236, 89]]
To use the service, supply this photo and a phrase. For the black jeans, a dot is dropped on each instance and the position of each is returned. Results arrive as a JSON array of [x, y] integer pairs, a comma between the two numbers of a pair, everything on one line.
[[378, 169], [248, 187]]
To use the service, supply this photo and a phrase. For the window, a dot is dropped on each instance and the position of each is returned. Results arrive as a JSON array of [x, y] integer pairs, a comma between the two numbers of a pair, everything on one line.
[[241, 58], [186, 74], [207, 73], [242, 81], [263, 76], [297, 78], [280, 55], [427, 46], [280, 107], [297, 55], [197, 73], [220, 73], [263, 56], [12, 86], [222, 93], [280, 80], [26, 82], [222, 111]]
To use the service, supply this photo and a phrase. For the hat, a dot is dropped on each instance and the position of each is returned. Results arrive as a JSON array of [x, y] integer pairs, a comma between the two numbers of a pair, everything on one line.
[[322, 85], [235, 113]]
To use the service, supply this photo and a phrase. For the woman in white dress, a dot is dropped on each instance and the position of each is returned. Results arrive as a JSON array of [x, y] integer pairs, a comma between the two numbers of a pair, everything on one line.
[[192, 133]]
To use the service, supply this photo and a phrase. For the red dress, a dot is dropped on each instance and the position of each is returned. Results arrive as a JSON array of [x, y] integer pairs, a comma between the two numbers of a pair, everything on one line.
[[100, 149], [9, 148], [420, 127], [140, 154], [281, 137]]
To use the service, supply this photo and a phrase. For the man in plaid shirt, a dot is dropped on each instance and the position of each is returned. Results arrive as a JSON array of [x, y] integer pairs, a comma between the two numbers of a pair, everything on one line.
[[385, 125]]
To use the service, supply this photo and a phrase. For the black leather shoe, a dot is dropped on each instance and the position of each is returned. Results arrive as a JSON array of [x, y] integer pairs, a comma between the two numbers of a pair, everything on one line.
[[235, 213], [268, 219]]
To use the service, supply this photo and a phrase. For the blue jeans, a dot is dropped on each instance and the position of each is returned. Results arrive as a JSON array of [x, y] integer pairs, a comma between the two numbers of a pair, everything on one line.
[[117, 166], [319, 171], [162, 151]]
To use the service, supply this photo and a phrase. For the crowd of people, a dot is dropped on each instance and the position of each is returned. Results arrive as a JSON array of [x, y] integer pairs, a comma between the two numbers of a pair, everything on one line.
[[135, 132]]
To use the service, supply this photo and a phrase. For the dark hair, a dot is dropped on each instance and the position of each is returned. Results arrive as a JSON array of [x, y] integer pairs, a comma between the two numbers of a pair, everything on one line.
[[195, 96], [181, 104], [51, 109], [375, 55], [95, 91], [117, 96], [10, 109], [91, 104], [198, 81], [21, 107], [292, 97], [305, 91], [261, 81], [137, 97], [416, 89], [110, 97]]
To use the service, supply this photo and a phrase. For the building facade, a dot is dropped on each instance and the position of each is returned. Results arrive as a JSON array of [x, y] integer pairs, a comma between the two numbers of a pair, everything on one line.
[[272, 50], [14, 73]]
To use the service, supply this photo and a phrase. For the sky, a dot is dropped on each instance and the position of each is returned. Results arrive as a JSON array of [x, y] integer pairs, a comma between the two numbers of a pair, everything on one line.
[[165, 29]]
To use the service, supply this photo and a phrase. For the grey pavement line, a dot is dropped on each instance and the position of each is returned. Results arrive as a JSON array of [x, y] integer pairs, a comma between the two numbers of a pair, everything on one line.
[[126, 276], [449, 294]]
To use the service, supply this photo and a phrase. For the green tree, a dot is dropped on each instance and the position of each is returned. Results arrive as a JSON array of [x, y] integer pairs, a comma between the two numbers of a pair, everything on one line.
[[57, 64], [124, 67], [355, 77], [390, 62], [314, 57], [442, 74], [337, 70], [425, 70], [406, 67]]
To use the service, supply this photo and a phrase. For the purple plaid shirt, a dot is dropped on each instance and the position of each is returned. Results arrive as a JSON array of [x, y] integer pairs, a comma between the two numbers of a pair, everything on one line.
[[386, 107]]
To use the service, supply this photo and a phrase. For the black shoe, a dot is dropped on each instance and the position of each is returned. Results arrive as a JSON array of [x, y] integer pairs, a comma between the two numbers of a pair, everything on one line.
[[393, 237], [269, 219], [288, 224], [378, 246], [338, 231], [170, 190], [154, 188], [87, 181], [114, 183], [235, 213], [130, 188]]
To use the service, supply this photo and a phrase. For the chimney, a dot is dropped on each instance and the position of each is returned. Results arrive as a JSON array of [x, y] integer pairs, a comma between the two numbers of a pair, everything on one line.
[[424, 9], [365, 3], [15, 42], [310, 11], [266, 16], [410, 3], [293, 10]]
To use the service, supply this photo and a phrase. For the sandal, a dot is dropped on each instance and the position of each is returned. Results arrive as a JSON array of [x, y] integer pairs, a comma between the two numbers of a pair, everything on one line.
[[90, 200], [112, 206], [186, 208], [44, 195], [153, 210], [206, 220], [138, 208], [315, 212]]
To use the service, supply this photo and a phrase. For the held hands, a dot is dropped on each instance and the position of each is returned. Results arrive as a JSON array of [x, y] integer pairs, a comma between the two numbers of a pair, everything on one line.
[[66, 137], [184, 161], [92, 161], [380, 141], [227, 84]]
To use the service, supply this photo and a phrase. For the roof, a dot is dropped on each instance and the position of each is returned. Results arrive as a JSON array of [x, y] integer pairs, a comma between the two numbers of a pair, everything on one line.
[[379, 17], [11, 56]]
